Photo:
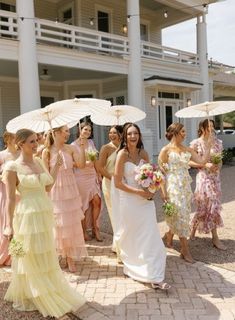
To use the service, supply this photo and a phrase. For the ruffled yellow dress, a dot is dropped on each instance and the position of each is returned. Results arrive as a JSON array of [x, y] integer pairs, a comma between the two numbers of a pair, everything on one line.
[[37, 280]]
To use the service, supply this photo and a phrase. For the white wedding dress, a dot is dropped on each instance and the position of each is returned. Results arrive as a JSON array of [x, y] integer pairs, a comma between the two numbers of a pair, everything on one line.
[[136, 233]]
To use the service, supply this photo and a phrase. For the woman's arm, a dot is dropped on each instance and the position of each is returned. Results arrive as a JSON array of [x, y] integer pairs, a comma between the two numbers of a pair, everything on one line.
[[103, 156], [54, 170], [79, 158], [163, 159], [10, 182], [195, 157], [118, 177]]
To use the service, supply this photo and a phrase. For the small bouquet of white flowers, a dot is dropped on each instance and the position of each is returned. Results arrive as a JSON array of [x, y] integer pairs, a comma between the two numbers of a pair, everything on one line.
[[16, 248], [169, 209], [149, 176], [91, 155], [216, 158]]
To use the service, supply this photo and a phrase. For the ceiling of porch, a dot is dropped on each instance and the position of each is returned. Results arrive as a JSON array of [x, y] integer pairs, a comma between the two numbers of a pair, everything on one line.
[[60, 74]]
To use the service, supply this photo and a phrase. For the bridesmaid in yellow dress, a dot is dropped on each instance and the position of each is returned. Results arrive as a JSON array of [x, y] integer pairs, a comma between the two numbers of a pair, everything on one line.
[[37, 280], [106, 166]]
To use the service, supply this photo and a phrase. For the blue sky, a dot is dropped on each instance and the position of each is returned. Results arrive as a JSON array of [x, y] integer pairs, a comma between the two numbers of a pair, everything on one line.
[[220, 33]]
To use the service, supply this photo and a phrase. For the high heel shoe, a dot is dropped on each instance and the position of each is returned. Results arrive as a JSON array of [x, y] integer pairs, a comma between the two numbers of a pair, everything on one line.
[[71, 265], [187, 257], [169, 244], [86, 236], [162, 286], [218, 245], [63, 262], [96, 235]]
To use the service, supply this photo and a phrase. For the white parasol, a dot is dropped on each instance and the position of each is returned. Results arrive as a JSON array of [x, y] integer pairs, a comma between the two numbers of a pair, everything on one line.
[[206, 109], [117, 115], [57, 114]]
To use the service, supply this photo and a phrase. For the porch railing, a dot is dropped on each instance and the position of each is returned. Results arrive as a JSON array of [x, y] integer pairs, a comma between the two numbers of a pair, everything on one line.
[[87, 40], [156, 51]]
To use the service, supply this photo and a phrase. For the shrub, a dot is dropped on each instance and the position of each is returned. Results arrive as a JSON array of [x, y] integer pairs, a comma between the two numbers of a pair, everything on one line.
[[227, 156]]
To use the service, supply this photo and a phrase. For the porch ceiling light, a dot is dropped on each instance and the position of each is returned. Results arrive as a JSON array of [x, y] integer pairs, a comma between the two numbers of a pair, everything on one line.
[[45, 75], [165, 14]]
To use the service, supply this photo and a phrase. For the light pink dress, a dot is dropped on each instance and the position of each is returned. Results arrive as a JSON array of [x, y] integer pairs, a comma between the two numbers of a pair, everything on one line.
[[88, 184], [4, 242], [207, 195], [67, 209]]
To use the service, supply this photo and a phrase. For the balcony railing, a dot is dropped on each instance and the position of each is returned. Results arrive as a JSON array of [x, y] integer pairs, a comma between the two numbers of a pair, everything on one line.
[[87, 40]]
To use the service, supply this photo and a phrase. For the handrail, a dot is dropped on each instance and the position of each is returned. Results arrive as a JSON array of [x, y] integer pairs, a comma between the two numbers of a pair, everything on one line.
[[87, 40]]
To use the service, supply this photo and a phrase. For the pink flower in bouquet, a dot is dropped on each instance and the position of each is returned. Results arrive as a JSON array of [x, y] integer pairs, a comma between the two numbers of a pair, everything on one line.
[[149, 176]]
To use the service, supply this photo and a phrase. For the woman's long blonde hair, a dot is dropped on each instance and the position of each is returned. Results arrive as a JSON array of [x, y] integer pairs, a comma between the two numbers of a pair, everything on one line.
[[49, 141]]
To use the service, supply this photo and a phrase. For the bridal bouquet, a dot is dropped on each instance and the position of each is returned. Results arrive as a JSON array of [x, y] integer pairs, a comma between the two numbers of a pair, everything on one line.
[[149, 176], [216, 158], [169, 209], [16, 248], [91, 154]]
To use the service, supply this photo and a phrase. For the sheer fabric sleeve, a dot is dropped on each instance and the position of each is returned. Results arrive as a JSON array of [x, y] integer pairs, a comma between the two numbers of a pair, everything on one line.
[[9, 166]]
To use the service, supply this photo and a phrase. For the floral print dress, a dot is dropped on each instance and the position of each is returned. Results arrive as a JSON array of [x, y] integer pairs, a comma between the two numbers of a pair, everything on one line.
[[207, 195], [179, 192]]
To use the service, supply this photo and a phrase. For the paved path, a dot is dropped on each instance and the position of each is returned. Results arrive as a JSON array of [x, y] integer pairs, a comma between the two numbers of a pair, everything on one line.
[[199, 291]]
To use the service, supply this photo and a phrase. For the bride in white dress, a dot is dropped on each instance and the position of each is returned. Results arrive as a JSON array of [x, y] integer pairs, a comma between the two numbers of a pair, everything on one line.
[[141, 248]]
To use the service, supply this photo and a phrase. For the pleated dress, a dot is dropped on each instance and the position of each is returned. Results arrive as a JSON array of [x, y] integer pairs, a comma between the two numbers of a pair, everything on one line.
[[37, 280]]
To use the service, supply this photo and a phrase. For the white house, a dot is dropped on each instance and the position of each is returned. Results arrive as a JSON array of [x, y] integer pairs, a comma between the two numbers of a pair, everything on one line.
[[56, 49]]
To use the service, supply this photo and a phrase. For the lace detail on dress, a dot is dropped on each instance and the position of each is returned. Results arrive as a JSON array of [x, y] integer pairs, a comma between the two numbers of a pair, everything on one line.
[[179, 192]]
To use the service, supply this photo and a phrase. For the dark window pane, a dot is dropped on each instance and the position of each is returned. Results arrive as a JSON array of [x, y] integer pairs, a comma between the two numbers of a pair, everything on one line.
[[159, 123], [103, 21], [46, 100], [169, 116]]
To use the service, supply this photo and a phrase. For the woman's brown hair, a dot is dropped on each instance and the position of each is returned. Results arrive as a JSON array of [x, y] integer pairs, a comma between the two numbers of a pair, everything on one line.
[[123, 144], [173, 130], [22, 135], [83, 125], [204, 125], [7, 137]]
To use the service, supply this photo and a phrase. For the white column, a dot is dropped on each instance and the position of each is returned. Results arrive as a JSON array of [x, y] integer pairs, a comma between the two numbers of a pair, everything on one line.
[[27, 64], [135, 81], [135, 96], [203, 56]]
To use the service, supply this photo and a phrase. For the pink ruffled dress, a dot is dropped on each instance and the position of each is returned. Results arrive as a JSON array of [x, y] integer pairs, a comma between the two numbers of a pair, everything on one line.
[[67, 207], [207, 195], [88, 184]]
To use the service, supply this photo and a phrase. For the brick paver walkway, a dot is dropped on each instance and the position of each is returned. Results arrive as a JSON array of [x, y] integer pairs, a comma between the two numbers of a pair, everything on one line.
[[199, 291]]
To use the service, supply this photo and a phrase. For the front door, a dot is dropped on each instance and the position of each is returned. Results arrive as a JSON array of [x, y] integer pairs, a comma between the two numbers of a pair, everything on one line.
[[165, 116]]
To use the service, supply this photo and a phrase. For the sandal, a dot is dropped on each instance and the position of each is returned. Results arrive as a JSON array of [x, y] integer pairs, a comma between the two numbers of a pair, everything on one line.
[[161, 286]]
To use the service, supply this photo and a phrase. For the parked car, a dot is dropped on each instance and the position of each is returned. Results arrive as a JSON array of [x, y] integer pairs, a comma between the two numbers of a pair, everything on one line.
[[226, 131]]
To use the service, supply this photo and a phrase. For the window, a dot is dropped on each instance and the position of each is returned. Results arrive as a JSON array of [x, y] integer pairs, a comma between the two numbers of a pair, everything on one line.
[[119, 100], [46, 100], [143, 32], [103, 21], [6, 7], [67, 15], [169, 95], [169, 116]]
